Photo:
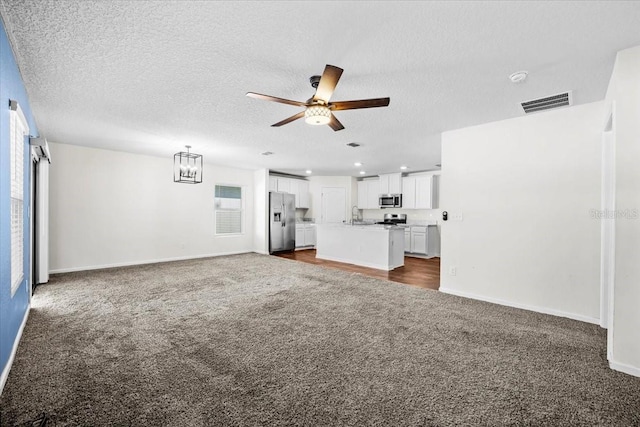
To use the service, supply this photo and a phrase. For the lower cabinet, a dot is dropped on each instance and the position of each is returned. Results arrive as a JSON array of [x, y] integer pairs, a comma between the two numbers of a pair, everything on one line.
[[415, 240], [299, 235], [305, 235], [407, 240], [310, 235], [419, 240]]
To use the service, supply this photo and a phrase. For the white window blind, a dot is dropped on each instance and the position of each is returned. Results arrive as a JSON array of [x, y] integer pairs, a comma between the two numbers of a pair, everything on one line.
[[228, 206], [17, 130]]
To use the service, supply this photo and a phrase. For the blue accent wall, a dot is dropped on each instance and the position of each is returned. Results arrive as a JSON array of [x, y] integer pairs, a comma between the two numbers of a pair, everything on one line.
[[12, 309]]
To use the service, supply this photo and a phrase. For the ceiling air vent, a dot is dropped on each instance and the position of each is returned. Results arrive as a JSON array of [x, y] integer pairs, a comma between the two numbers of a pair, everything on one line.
[[547, 103], [353, 144]]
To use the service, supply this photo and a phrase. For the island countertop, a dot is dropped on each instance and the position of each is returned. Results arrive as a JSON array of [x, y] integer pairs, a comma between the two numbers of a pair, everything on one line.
[[375, 246]]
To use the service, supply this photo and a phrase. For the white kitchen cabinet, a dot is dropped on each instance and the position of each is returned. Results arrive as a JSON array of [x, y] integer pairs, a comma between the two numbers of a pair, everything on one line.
[[422, 240], [297, 187], [273, 183], [373, 194], [424, 190], [303, 200], [368, 193], [417, 192], [310, 235], [305, 235], [390, 183], [362, 195], [416, 240], [407, 240], [383, 182], [409, 192], [299, 235], [284, 185]]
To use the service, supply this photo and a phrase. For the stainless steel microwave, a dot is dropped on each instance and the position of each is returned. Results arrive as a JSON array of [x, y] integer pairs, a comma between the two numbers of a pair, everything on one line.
[[390, 201]]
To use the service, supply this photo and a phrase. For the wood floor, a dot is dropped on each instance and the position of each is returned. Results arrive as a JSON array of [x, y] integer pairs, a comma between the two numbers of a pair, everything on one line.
[[424, 273]]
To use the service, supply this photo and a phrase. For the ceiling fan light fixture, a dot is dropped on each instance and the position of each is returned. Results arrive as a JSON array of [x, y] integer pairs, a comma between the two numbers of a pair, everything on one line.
[[317, 115]]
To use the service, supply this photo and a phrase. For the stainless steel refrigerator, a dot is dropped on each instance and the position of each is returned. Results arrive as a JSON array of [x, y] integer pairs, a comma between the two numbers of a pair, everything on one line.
[[282, 222]]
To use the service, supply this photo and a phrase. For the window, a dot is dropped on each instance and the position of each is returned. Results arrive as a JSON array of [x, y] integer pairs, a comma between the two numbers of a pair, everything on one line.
[[17, 130], [228, 209]]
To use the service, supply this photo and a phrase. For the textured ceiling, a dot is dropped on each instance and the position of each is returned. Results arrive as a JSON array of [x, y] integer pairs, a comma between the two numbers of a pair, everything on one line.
[[152, 76]]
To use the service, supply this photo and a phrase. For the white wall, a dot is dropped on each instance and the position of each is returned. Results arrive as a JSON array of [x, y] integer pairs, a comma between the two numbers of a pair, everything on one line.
[[316, 183], [112, 208], [525, 188], [261, 209], [624, 92]]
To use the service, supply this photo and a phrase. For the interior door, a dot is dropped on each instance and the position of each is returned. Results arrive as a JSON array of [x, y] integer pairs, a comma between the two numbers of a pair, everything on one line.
[[334, 205]]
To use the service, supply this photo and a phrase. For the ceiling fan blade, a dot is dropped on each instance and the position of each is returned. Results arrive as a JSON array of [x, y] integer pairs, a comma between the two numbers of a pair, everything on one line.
[[289, 120], [335, 123], [363, 103], [275, 99], [328, 83]]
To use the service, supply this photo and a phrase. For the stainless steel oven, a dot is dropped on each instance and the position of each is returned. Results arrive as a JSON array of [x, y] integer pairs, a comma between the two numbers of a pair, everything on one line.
[[390, 201]]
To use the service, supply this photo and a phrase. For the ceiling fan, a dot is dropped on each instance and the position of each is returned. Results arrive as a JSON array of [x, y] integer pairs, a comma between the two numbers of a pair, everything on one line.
[[318, 109]]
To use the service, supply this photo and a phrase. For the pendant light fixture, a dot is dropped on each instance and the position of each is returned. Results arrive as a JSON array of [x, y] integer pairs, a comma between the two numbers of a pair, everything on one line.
[[187, 167]]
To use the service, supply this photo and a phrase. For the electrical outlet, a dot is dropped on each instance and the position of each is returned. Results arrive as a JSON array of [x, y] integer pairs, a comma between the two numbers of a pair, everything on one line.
[[452, 271], [457, 216]]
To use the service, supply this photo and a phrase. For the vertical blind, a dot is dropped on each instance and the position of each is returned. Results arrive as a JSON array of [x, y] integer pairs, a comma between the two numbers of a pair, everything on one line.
[[18, 129], [228, 205]]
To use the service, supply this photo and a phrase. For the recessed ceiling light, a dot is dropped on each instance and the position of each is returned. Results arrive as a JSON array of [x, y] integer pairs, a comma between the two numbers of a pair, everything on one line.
[[518, 76], [267, 153], [353, 144], [357, 164], [308, 171], [404, 168], [362, 172]]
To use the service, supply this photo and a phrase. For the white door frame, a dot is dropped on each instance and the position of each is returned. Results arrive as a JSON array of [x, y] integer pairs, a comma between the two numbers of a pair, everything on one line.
[[608, 232]]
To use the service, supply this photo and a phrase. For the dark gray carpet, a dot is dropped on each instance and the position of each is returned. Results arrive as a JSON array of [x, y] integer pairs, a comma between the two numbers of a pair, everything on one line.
[[259, 340]]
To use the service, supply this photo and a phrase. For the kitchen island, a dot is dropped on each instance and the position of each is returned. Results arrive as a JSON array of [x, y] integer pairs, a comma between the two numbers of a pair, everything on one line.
[[374, 246]]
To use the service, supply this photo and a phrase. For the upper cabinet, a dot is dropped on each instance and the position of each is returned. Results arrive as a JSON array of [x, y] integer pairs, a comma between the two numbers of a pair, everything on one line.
[[418, 192], [424, 192], [390, 183], [368, 192], [408, 192], [273, 183], [303, 199], [284, 185], [297, 187]]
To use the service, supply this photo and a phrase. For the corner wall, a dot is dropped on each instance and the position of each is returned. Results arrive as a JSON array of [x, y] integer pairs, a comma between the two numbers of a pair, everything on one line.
[[261, 211], [110, 208], [623, 97], [13, 309], [523, 191]]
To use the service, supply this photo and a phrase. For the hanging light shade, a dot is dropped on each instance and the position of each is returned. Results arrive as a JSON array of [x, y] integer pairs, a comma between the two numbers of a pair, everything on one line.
[[187, 167], [317, 115]]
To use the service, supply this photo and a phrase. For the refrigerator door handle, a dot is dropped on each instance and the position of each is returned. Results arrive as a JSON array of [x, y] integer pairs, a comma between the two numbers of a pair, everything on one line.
[[284, 217]]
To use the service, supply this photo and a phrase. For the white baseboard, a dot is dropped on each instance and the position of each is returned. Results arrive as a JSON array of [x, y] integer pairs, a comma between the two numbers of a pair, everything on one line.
[[7, 368], [537, 309], [153, 261], [626, 369]]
